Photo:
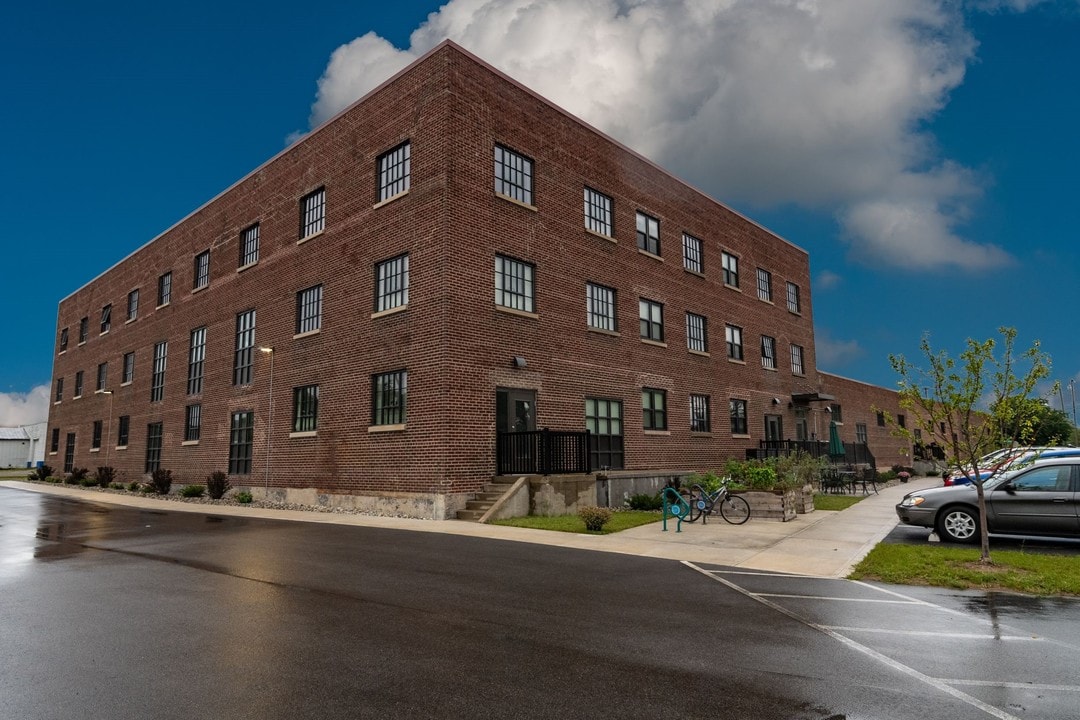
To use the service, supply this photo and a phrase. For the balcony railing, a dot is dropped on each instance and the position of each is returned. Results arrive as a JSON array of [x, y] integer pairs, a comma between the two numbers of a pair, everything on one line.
[[543, 452], [854, 453]]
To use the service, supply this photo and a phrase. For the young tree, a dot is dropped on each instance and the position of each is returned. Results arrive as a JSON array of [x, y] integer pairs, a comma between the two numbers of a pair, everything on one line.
[[972, 404]]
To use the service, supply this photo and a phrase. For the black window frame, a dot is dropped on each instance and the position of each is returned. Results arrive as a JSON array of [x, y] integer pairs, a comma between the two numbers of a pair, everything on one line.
[[693, 253], [514, 175], [69, 453], [95, 435], [599, 212], [393, 171], [196, 360], [63, 339], [649, 328], [192, 422], [313, 213], [164, 292], [155, 433], [157, 377], [648, 239], [106, 318], [54, 441], [764, 285], [798, 360], [305, 409], [249, 245], [133, 305], [738, 410], [601, 304], [128, 372], [102, 377], [123, 429], [768, 352], [200, 274], [309, 304], [697, 332], [241, 441], [58, 396], [654, 414], [729, 263], [861, 435], [608, 446], [794, 301], [733, 337], [389, 398], [700, 413], [84, 330], [392, 283], [244, 349], [78, 385], [515, 284]]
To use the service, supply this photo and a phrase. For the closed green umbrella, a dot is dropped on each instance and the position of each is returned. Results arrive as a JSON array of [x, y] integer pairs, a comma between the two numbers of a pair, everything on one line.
[[836, 447]]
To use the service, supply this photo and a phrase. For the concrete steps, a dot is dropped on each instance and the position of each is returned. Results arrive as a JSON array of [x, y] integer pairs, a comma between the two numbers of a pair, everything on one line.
[[483, 500]]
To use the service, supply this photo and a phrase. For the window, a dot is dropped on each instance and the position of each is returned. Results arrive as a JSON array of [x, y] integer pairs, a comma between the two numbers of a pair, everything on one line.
[[245, 344], [394, 168], [69, 453], [900, 420], [157, 379], [106, 319], [102, 375], [392, 283], [837, 413], [78, 384], [84, 329], [164, 289], [192, 422], [653, 409], [241, 435], [513, 175], [59, 389], [196, 360], [249, 246], [129, 368], [154, 433], [793, 297], [313, 213], [601, 307], [388, 394], [95, 439], [733, 335], [201, 273], [63, 339], [309, 310], [648, 233], [513, 284], [692, 257], [730, 264], [54, 443], [603, 419], [768, 352], [122, 428], [797, 359], [942, 427], [305, 408], [764, 285], [860, 433], [880, 418], [598, 212], [133, 304], [651, 317], [697, 337], [738, 417], [699, 414]]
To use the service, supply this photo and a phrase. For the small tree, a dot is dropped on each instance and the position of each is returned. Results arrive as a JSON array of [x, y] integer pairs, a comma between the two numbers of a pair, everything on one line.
[[973, 404]]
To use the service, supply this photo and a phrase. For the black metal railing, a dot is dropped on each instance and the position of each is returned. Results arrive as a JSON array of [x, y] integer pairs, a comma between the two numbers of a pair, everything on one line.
[[854, 453], [543, 452]]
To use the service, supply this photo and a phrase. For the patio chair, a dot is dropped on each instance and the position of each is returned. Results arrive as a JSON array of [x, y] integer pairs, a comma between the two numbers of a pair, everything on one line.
[[831, 481]]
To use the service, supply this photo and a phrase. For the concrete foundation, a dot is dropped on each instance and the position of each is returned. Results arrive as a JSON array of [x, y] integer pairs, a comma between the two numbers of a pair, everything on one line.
[[423, 506]]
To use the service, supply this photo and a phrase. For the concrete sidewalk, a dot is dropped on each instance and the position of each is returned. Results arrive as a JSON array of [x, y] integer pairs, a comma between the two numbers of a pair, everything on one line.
[[823, 543]]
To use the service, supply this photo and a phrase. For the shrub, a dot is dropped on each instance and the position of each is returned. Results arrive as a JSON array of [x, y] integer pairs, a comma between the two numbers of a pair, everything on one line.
[[595, 517], [54, 479], [133, 486], [709, 481], [933, 473], [105, 476], [89, 482], [161, 481], [217, 484], [192, 491], [70, 479], [645, 502], [243, 497], [78, 474], [116, 486], [41, 473]]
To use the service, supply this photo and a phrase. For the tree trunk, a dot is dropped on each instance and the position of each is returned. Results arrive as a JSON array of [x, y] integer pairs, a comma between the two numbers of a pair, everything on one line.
[[984, 533]]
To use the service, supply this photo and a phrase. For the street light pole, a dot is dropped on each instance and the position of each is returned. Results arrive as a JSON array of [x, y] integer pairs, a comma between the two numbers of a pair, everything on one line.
[[269, 417], [1072, 393]]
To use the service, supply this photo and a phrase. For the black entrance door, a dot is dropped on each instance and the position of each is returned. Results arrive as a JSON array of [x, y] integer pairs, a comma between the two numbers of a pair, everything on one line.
[[515, 410]]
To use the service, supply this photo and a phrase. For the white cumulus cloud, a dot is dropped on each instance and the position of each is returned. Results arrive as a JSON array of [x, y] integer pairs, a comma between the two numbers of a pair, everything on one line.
[[832, 353], [24, 408], [818, 103]]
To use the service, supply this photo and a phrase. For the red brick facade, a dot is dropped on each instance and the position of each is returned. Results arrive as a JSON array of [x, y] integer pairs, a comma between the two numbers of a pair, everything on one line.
[[859, 405], [454, 342]]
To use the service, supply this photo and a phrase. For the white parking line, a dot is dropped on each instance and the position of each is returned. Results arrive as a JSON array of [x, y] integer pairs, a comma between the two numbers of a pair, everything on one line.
[[845, 599], [961, 636], [884, 659], [1015, 685]]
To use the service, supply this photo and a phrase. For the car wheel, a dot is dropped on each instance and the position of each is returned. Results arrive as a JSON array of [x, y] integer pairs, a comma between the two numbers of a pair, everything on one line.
[[958, 524]]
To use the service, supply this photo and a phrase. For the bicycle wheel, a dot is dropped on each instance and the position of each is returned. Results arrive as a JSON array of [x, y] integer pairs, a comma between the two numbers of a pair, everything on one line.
[[735, 509], [697, 504]]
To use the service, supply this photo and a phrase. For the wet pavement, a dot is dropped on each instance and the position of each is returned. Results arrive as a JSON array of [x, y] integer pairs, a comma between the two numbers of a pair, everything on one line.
[[116, 612]]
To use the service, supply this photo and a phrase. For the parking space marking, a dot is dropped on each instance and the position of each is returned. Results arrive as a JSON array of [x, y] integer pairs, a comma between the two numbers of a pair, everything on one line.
[[959, 636], [845, 599], [1016, 685], [854, 645]]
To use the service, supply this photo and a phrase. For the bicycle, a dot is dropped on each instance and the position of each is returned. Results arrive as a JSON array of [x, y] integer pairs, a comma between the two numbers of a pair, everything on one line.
[[733, 508]]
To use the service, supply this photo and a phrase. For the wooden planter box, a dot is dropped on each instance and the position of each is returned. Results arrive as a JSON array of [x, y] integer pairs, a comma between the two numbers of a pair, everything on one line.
[[771, 504], [804, 500]]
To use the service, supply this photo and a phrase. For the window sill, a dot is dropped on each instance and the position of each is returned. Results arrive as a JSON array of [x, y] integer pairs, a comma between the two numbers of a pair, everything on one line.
[[53, 452], [304, 434], [189, 443], [309, 333], [519, 313], [163, 305], [390, 311], [101, 391], [94, 450], [76, 397], [81, 343], [312, 236], [388, 200], [125, 384], [655, 343], [130, 320], [657, 432], [385, 428], [648, 254], [519, 203], [62, 352], [701, 433], [736, 288], [798, 374], [601, 331], [103, 332], [741, 436], [57, 402], [602, 236], [736, 361], [242, 268], [699, 353], [767, 302], [120, 447], [199, 289], [767, 368], [688, 271], [795, 312]]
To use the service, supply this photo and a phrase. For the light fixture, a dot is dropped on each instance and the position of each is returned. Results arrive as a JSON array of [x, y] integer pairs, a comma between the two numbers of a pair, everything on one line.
[[776, 401], [828, 410], [518, 361]]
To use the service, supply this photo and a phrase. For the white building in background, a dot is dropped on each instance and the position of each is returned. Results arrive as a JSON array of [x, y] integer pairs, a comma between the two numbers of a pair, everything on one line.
[[23, 446]]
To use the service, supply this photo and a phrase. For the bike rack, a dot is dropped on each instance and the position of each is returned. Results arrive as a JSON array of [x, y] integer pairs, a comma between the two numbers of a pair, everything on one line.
[[675, 505]]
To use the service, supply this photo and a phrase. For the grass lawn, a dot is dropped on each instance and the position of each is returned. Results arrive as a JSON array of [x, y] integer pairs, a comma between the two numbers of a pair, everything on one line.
[[836, 502], [622, 520], [957, 567]]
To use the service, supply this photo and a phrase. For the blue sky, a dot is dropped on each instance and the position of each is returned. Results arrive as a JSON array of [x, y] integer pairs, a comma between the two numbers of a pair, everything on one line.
[[924, 153]]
